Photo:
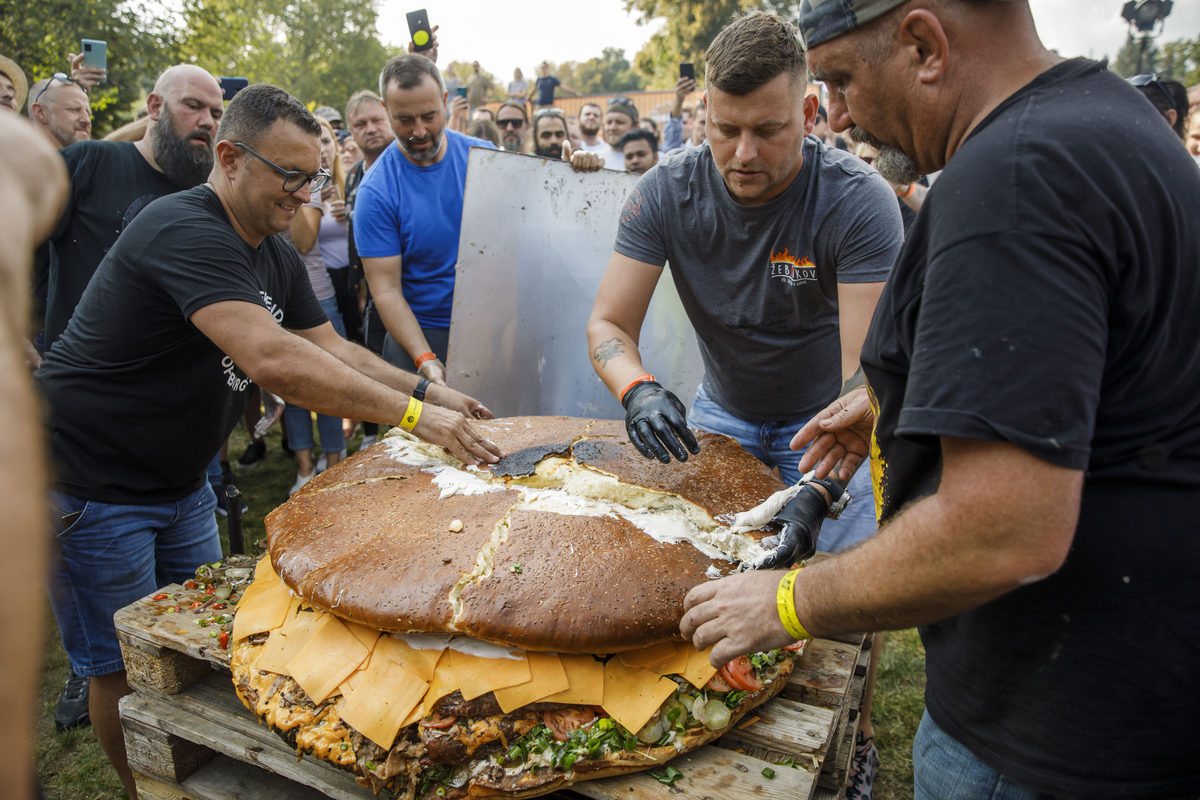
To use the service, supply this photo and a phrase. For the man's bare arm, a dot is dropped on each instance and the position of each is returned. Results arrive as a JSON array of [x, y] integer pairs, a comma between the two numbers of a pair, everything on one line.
[[383, 275], [1001, 519], [616, 322], [305, 375], [856, 307], [363, 360]]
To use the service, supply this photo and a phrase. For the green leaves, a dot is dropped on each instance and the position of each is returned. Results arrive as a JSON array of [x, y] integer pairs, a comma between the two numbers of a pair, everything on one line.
[[666, 776]]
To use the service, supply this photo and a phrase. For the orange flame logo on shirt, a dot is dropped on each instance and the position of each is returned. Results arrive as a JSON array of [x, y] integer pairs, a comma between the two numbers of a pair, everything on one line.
[[783, 255]]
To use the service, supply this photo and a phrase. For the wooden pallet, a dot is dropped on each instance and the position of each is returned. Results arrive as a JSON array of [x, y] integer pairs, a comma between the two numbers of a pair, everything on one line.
[[188, 735]]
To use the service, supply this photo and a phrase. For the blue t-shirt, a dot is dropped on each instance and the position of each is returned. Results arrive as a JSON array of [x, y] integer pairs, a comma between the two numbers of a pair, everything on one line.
[[545, 90], [416, 213]]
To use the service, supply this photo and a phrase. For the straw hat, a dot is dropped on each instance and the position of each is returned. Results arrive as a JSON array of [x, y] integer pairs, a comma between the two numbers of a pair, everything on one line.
[[19, 82]]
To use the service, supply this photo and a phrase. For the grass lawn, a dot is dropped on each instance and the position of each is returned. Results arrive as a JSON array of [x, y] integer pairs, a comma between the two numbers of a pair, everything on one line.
[[72, 765]]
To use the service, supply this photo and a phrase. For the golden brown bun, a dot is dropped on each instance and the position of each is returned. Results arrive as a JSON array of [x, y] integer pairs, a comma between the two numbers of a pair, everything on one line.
[[597, 585], [380, 553]]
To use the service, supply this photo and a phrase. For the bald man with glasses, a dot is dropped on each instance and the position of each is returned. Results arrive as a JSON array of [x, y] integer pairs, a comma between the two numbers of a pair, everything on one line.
[[59, 110]]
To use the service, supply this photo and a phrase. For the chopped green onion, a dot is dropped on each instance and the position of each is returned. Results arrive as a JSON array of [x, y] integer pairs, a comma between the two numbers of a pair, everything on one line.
[[666, 777], [768, 772], [344, 746]]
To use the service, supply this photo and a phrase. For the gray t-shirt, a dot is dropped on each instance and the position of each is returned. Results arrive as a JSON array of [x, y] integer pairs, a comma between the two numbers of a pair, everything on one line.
[[759, 283]]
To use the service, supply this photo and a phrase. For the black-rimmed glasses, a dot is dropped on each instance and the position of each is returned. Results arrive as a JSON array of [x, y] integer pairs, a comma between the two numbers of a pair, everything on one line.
[[1148, 79], [292, 181], [61, 77]]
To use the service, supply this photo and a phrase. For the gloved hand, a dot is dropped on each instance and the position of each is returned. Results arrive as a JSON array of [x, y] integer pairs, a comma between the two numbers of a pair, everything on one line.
[[657, 422], [801, 522]]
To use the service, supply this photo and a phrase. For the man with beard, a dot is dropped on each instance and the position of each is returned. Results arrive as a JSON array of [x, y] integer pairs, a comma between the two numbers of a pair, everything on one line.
[[513, 122], [408, 214], [619, 119], [552, 140], [591, 120], [195, 302], [1032, 410], [112, 181], [779, 248], [59, 109]]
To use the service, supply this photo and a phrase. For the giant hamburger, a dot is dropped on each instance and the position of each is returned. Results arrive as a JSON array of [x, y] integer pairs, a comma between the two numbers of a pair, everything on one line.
[[447, 632]]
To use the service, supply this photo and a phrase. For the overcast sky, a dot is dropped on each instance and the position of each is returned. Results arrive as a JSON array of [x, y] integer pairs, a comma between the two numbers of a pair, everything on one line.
[[503, 35]]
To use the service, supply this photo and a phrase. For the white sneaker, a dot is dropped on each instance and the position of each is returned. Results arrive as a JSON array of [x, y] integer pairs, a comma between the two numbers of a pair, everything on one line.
[[301, 480], [322, 464], [367, 442]]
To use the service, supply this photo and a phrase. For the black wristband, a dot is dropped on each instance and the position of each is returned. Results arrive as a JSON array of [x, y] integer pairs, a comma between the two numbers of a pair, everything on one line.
[[419, 392]]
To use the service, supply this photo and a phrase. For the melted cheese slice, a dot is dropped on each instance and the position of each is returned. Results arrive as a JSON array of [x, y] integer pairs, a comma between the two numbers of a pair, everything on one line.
[[264, 606], [384, 697], [633, 694], [549, 678], [419, 662], [477, 676], [368, 636], [288, 640], [648, 656], [329, 658], [673, 665], [698, 670], [586, 678], [348, 686]]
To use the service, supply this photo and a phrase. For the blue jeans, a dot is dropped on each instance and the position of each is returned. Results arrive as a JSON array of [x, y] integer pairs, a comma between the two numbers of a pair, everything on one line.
[[112, 555], [769, 443], [299, 421], [945, 770]]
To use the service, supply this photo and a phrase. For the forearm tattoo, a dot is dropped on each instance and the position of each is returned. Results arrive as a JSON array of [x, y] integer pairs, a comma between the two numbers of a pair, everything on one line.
[[607, 351]]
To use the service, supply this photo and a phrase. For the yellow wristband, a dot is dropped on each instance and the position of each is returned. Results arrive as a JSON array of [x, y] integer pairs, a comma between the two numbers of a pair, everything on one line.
[[412, 415], [785, 599]]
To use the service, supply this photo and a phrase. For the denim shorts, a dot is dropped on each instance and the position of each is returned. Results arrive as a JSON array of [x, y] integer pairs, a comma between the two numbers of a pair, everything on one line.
[[112, 555], [768, 442]]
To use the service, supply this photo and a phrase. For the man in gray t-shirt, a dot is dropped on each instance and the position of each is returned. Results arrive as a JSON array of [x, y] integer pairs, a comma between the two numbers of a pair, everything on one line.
[[778, 246]]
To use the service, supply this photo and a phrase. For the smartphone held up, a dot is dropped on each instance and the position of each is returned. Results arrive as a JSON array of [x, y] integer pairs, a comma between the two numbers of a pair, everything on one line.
[[418, 28]]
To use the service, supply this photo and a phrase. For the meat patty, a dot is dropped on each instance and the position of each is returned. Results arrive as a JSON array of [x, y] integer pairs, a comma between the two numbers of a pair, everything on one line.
[[475, 737], [453, 705]]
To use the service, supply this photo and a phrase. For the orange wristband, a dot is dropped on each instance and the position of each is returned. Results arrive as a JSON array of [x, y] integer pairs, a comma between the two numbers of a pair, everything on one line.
[[912, 187], [421, 359], [642, 379]]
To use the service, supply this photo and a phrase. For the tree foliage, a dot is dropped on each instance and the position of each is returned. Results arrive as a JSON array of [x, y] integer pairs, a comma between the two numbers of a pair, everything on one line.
[[1178, 59], [38, 35], [690, 27], [610, 72], [321, 51]]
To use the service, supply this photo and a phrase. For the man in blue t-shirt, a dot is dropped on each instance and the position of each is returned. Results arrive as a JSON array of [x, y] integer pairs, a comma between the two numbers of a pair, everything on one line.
[[407, 217]]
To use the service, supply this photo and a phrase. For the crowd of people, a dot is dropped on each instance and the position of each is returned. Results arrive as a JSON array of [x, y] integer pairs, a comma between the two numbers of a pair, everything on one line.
[[247, 259]]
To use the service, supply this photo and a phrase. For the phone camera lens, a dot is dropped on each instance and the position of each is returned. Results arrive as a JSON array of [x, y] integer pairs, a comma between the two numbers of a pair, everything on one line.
[[87, 48]]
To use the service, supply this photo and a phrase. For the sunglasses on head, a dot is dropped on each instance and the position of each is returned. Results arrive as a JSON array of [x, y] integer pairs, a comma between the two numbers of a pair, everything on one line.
[[1148, 80], [61, 77], [548, 112]]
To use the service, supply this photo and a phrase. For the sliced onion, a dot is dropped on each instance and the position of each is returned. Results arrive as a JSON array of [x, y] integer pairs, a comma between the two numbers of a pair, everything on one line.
[[716, 715], [698, 709], [223, 592]]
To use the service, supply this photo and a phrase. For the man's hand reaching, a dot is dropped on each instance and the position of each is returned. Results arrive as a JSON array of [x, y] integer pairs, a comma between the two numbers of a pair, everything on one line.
[[842, 432], [657, 423], [451, 430], [435, 370], [448, 398], [582, 160]]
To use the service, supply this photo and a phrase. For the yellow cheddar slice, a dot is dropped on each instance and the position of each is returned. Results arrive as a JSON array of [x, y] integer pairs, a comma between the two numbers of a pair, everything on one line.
[[261, 609], [418, 662], [477, 676], [549, 678], [586, 678], [698, 670], [445, 682], [327, 660], [633, 694], [384, 697], [286, 642], [348, 686], [673, 665], [648, 656], [368, 636]]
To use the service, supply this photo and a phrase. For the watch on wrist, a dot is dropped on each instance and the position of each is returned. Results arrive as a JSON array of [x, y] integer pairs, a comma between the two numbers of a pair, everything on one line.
[[839, 497], [419, 392]]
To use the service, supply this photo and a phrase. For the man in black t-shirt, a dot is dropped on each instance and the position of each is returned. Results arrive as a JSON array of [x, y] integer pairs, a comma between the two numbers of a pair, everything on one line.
[[111, 182], [1034, 377], [196, 300]]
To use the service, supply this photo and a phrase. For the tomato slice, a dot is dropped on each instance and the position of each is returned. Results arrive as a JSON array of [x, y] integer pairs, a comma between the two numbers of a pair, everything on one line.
[[436, 720], [797, 647], [565, 720], [740, 673], [718, 683]]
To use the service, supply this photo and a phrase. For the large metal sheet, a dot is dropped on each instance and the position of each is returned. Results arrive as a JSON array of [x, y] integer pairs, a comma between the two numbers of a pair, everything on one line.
[[536, 237]]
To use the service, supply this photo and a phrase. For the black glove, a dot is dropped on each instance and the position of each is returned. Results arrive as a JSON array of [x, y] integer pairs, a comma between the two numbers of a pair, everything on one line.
[[801, 522], [657, 422]]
